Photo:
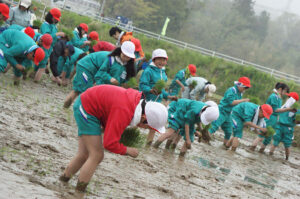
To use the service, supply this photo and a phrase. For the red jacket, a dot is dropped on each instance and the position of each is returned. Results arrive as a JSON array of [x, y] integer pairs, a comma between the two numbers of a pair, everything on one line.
[[114, 107], [103, 46]]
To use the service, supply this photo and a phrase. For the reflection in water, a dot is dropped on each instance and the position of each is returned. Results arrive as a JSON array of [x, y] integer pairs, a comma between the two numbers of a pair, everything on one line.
[[249, 179], [205, 163]]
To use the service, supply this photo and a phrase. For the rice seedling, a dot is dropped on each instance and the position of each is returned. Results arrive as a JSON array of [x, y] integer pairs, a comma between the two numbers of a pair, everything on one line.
[[159, 85], [132, 137]]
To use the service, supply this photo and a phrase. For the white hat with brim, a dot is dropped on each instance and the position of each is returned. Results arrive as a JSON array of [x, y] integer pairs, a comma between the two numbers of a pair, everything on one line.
[[209, 115], [25, 3], [211, 89], [128, 49], [157, 116]]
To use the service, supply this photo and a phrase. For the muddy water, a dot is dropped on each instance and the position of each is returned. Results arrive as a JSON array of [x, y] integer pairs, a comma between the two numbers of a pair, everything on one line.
[[38, 138]]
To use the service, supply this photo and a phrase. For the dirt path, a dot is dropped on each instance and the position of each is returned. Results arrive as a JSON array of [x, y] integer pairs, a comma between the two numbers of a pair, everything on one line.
[[38, 138]]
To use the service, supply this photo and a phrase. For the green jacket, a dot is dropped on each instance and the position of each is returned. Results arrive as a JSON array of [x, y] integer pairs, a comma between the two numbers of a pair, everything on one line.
[[288, 118], [92, 62], [230, 95], [78, 42], [111, 68], [15, 45], [179, 76], [50, 29], [67, 64], [245, 111], [148, 79], [16, 27], [275, 101], [187, 112]]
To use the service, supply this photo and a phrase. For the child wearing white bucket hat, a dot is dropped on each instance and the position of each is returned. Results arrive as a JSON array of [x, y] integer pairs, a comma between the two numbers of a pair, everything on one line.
[[183, 115], [107, 110], [103, 67], [153, 73], [200, 91]]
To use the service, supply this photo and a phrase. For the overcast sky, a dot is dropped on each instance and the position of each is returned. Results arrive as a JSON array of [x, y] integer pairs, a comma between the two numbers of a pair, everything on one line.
[[276, 7]]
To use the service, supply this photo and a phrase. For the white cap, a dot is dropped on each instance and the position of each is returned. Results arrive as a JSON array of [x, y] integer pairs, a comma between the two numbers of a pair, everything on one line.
[[157, 116], [128, 49], [211, 103], [211, 89], [159, 53], [209, 115], [25, 3]]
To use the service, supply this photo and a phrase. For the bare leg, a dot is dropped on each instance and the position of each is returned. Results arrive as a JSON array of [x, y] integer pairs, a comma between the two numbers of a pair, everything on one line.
[[96, 155], [287, 153], [262, 148], [70, 98], [163, 137], [225, 142], [171, 140], [77, 162], [39, 74], [272, 149], [17, 80], [235, 143], [255, 143], [229, 143], [175, 141], [183, 150]]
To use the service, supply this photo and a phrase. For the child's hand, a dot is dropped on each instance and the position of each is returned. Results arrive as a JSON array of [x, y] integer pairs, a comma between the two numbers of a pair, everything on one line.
[[246, 100], [154, 91], [133, 152], [173, 98], [188, 144], [114, 81], [20, 67], [182, 89]]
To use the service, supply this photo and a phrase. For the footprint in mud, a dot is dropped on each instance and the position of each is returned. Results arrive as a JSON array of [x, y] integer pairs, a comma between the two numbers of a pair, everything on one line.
[[49, 147]]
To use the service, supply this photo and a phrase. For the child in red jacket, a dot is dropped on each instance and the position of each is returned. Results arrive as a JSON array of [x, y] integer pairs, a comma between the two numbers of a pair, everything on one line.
[[108, 110]]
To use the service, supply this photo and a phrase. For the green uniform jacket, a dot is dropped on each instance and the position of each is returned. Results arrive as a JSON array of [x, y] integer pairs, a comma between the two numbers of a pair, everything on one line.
[[111, 68], [187, 112], [275, 101], [245, 111], [67, 64], [15, 45], [50, 29], [148, 79], [78, 42], [16, 27], [174, 87], [93, 61], [230, 95]]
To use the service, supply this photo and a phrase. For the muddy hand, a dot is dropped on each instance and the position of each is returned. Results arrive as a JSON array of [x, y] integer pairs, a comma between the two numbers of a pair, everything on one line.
[[188, 144], [154, 91], [133, 152], [114, 81]]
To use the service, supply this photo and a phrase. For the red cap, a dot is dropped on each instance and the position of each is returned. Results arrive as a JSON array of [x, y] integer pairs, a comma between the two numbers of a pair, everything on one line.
[[55, 12], [39, 55], [46, 41], [84, 27], [30, 32], [267, 110], [293, 95], [192, 69], [4, 10], [245, 81], [94, 35], [137, 44]]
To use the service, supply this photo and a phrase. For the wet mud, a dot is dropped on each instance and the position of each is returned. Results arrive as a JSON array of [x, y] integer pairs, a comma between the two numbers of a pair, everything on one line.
[[38, 138]]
